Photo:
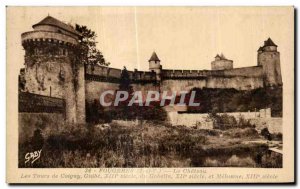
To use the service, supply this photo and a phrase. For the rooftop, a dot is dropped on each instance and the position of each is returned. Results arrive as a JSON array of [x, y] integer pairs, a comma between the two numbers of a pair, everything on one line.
[[49, 20], [217, 56], [269, 42], [220, 57], [154, 57]]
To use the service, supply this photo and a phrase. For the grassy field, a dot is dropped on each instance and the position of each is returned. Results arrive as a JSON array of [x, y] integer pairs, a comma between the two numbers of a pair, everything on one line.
[[147, 145]]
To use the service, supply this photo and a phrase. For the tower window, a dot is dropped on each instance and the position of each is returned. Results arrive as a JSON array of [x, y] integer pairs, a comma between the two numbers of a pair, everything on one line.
[[64, 52], [36, 51]]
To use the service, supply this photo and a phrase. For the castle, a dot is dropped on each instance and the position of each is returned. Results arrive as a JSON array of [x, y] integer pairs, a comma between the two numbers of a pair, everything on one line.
[[53, 69]]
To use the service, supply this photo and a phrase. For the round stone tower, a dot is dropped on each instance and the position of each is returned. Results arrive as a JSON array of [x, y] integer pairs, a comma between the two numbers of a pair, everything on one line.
[[154, 65], [269, 58], [52, 67]]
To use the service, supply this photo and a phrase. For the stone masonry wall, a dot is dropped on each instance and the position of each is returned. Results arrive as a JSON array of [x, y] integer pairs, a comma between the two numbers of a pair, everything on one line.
[[115, 74], [261, 119], [182, 85], [184, 80], [93, 89], [270, 61], [41, 75], [238, 82], [239, 78], [253, 71]]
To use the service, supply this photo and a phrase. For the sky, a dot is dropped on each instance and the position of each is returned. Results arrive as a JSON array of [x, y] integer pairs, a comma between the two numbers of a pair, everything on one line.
[[182, 37]]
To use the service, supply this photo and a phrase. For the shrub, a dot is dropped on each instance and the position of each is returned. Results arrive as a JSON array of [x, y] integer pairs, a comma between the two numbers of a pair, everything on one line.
[[151, 112], [277, 136], [242, 133], [265, 133], [37, 140], [243, 123], [225, 121], [231, 100]]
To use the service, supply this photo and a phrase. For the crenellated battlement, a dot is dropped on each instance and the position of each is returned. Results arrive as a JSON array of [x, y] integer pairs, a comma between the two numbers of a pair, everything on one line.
[[254, 71], [179, 74], [103, 73], [48, 36]]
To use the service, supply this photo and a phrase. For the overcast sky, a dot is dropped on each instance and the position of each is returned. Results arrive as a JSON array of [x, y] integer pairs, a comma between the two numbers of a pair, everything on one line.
[[183, 38]]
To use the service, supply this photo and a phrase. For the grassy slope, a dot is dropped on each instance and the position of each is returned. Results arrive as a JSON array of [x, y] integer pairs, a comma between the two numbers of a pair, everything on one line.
[[150, 145]]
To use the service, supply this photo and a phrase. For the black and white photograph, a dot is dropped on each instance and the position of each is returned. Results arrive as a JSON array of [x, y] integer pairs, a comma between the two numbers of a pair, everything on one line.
[[159, 89]]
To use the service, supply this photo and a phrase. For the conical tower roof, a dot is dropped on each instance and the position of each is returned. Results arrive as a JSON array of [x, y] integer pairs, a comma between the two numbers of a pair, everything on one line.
[[269, 42], [260, 49], [49, 20], [154, 57]]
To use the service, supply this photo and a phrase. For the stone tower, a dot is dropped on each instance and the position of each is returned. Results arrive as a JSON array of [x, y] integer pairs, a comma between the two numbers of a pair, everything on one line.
[[154, 65], [52, 67], [221, 63], [269, 58]]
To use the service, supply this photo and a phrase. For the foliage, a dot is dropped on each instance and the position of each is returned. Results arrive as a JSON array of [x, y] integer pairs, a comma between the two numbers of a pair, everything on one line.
[[22, 80], [265, 133], [225, 121], [95, 112], [37, 140], [123, 111], [133, 112], [87, 146], [89, 54], [242, 133], [153, 145], [232, 100], [277, 136], [125, 81]]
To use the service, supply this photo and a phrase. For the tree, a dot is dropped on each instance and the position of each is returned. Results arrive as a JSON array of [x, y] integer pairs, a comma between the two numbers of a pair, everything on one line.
[[89, 54], [37, 140], [125, 82], [122, 111], [265, 133]]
